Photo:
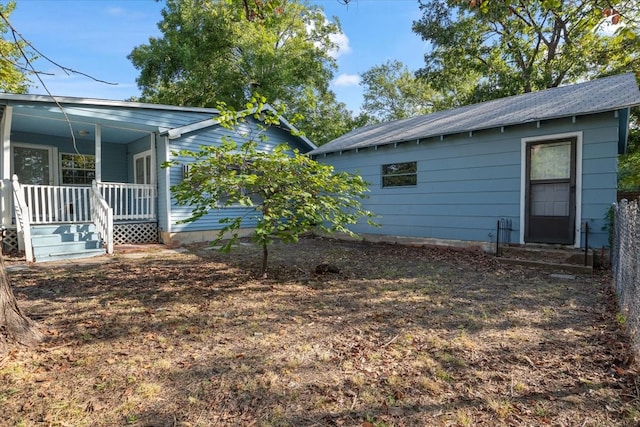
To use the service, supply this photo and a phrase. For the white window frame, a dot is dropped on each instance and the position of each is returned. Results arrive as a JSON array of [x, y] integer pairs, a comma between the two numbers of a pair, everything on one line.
[[403, 174], [53, 155], [60, 173], [151, 171], [523, 178]]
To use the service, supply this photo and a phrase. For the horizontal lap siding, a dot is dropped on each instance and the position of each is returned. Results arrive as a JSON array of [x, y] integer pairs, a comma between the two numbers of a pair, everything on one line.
[[163, 215], [600, 174], [467, 183], [113, 155], [460, 191], [211, 221]]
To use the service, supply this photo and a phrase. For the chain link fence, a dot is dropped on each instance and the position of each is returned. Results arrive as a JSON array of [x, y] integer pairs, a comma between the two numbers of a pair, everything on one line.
[[625, 263]]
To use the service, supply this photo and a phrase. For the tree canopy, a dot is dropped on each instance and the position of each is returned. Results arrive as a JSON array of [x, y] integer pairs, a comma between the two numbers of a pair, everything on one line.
[[392, 92], [13, 74], [213, 50], [509, 47]]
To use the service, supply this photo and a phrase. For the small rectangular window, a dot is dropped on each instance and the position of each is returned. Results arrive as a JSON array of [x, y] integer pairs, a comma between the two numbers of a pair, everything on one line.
[[399, 174], [79, 169]]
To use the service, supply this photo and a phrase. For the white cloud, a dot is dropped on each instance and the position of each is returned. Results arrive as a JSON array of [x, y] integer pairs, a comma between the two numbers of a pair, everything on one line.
[[346, 80], [342, 45], [116, 11]]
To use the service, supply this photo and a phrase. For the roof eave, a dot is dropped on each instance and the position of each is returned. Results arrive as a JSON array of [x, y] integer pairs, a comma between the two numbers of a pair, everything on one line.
[[472, 129], [176, 133], [9, 98]]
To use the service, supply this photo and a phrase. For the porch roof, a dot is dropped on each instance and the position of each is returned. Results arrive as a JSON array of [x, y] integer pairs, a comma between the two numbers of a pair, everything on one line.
[[120, 121]]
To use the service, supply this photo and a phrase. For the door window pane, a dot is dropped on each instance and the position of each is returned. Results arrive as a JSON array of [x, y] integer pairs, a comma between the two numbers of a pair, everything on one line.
[[31, 165], [551, 199], [140, 170], [147, 168], [551, 161]]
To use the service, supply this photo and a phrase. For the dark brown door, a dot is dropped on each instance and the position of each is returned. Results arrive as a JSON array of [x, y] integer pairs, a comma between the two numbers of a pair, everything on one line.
[[551, 192]]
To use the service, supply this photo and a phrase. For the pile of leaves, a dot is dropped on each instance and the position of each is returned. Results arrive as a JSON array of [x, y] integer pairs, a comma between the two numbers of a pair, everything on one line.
[[387, 336]]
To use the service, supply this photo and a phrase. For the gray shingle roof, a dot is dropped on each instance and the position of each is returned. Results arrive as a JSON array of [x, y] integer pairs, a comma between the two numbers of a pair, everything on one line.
[[605, 94]]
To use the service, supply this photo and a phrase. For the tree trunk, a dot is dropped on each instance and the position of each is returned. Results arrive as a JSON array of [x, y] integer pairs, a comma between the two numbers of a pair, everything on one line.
[[265, 258], [15, 327]]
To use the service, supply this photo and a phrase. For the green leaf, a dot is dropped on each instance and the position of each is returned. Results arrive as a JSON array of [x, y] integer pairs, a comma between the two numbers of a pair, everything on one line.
[[297, 194]]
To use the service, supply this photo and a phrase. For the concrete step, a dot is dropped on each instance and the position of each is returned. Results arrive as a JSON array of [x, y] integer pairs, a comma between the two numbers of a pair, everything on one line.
[[71, 255], [549, 257]]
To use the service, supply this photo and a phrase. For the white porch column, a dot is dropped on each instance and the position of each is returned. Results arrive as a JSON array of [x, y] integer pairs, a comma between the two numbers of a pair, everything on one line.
[[5, 135], [154, 170], [98, 150]]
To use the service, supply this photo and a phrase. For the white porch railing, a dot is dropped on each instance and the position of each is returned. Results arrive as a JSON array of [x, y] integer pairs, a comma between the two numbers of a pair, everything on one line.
[[130, 201], [102, 216], [22, 220], [101, 203], [50, 204]]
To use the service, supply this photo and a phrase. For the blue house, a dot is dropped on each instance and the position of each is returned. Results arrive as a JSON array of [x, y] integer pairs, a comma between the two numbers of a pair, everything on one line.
[[80, 175], [544, 162]]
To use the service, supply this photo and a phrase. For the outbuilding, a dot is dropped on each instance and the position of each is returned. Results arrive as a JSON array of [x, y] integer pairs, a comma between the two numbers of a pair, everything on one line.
[[542, 164]]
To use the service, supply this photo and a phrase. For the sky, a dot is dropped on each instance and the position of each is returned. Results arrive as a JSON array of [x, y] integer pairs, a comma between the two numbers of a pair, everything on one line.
[[95, 37]]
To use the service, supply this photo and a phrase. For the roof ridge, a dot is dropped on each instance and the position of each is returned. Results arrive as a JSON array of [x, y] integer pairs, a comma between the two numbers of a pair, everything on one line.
[[587, 97]]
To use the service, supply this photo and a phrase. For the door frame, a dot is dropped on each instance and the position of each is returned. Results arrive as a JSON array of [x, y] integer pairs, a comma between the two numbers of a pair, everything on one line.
[[53, 159], [144, 155], [524, 143]]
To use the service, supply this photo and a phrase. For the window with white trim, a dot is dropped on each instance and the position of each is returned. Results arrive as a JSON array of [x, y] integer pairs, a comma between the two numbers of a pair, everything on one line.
[[399, 174], [77, 169], [142, 167]]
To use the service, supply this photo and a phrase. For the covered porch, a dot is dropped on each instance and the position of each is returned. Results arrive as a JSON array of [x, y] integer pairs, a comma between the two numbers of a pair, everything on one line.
[[91, 167], [119, 213]]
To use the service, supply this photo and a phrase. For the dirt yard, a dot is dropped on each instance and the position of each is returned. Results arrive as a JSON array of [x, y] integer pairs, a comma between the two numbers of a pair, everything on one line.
[[398, 337]]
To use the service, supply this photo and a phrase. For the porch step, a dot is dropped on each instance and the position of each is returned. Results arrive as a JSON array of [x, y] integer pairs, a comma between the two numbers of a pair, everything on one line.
[[548, 257], [39, 230], [67, 241]]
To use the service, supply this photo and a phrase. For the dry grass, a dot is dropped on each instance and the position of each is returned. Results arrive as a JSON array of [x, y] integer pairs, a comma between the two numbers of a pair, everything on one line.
[[401, 337]]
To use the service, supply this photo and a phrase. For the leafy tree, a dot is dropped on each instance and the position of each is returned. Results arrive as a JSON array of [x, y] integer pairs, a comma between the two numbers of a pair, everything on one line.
[[15, 326], [284, 192], [629, 163], [213, 50], [13, 76], [322, 117], [510, 47], [392, 92]]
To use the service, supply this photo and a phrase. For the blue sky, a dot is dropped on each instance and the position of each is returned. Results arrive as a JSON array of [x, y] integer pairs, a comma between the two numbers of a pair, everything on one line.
[[95, 37]]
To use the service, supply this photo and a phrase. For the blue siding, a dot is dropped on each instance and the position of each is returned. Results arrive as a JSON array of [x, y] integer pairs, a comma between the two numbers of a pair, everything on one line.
[[139, 146], [206, 137], [114, 159], [114, 156], [467, 182], [163, 223]]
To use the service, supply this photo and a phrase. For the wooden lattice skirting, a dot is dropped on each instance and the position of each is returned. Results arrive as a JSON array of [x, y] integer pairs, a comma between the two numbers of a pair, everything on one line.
[[135, 233], [123, 233], [10, 241]]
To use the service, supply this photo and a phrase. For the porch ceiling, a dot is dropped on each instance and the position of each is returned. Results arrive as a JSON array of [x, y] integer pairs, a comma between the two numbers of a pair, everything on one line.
[[50, 121]]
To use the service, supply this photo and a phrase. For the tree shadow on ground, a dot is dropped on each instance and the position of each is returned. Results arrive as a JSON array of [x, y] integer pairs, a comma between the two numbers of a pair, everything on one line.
[[403, 336]]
